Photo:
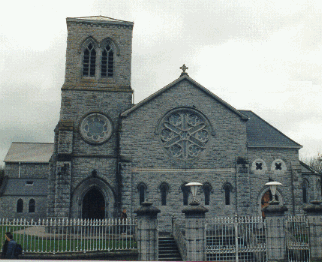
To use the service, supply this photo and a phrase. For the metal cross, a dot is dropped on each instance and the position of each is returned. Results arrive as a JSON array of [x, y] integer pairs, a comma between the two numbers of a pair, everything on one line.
[[184, 68]]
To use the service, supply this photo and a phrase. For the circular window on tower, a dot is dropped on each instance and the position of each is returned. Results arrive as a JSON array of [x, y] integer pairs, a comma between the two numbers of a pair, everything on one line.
[[184, 133], [96, 128]]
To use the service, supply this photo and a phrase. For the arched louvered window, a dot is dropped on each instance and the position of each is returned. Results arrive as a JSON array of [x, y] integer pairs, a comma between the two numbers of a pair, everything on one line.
[[32, 206], [20, 206], [89, 60], [107, 63]]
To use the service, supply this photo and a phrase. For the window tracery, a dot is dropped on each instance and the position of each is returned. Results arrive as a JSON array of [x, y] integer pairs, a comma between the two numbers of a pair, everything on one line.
[[89, 60], [107, 61]]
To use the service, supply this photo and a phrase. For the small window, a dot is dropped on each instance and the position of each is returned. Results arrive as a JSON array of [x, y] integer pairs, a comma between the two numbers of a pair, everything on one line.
[[164, 188], [29, 183], [20, 206], [206, 190], [305, 191], [185, 192], [227, 188], [32, 206], [142, 191]]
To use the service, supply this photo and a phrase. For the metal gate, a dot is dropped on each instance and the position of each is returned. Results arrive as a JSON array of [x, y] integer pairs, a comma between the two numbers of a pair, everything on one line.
[[297, 234], [235, 239]]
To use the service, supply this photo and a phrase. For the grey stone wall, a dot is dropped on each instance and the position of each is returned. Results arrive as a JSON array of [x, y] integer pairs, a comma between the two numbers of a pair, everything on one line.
[[150, 163], [8, 207], [80, 97], [289, 176], [78, 32]]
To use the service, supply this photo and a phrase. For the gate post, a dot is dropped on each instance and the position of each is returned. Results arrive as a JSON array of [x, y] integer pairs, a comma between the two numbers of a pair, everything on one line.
[[147, 233], [195, 231], [275, 234], [313, 214]]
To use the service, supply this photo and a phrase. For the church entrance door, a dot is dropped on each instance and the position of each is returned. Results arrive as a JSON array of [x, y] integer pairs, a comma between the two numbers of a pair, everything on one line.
[[265, 200], [93, 205]]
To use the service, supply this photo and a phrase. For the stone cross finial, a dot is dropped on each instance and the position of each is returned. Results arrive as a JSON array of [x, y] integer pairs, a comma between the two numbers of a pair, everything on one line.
[[183, 68]]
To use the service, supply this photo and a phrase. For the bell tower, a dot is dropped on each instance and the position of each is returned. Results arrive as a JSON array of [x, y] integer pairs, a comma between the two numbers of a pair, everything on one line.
[[97, 89]]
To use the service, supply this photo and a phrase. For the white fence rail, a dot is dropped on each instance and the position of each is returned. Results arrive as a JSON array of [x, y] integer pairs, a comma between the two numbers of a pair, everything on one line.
[[71, 235], [235, 239], [297, 234]]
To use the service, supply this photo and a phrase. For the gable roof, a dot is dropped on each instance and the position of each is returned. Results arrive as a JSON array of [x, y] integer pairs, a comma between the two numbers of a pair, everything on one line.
[[262, 134], [169, 86], [98, 19], [29, 152]]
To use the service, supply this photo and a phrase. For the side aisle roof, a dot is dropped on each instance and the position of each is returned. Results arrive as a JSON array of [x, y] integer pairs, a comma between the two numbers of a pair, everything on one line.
[[29, 152], [262, 134]]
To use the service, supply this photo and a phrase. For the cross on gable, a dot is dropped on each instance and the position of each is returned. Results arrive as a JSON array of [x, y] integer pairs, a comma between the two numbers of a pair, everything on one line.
[[183, 68]]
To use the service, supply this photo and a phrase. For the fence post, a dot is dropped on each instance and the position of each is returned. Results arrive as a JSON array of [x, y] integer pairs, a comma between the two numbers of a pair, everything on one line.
[[313, 214], [195, 231], [275, 234], [147, 236]]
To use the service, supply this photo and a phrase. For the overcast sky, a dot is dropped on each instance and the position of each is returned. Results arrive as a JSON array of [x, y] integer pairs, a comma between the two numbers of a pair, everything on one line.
[[264, 56]]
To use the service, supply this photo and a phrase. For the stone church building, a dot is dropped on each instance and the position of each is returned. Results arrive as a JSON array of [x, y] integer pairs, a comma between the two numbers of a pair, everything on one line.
[[110, 154]]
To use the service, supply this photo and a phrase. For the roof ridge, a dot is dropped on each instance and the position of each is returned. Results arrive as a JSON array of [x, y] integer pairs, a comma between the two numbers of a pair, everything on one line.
[[181, 78]]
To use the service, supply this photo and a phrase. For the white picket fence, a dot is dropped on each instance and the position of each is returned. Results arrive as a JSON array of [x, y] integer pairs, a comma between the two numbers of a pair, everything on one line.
[[238, 238], [71, 235]]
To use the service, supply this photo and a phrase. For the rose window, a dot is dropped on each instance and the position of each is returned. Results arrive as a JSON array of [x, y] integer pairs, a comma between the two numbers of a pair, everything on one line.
[[96, 128], [184, 133]]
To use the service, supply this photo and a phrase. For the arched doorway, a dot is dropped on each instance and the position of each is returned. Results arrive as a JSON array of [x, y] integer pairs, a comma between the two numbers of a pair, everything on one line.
[[265, 200], [93, 204]]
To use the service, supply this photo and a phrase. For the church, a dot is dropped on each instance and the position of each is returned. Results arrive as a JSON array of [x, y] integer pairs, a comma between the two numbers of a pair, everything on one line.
[[110, 154]]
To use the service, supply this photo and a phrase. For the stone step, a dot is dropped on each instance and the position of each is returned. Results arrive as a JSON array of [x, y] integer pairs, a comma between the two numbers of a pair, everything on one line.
[[168, 250]]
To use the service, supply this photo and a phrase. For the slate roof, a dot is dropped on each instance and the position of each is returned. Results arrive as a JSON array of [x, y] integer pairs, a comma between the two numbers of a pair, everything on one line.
[[18, 187], [29, 152], [262, 134], [196, 84], [306, 169]]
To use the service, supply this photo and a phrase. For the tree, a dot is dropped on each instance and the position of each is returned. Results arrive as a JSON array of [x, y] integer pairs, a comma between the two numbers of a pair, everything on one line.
[[314, 162]]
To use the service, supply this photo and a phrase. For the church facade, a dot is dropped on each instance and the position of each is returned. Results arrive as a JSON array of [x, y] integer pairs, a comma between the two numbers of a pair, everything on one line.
[[109, 154]]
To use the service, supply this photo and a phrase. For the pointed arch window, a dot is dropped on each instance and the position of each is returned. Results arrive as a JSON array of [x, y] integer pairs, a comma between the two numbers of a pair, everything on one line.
[[32, 206], [107, 62], [164, 188], [227, 189], [20, 206], [305, 186], [89, 60]]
